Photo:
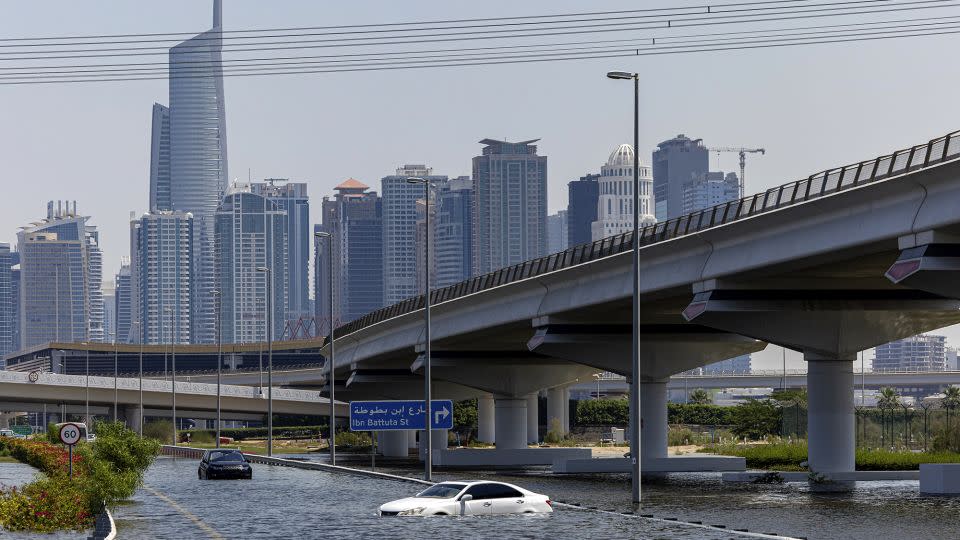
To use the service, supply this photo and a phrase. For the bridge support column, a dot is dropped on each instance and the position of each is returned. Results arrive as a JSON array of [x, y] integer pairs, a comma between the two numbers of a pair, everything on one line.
[[555, 409], [511, 423], [653, 422], [439, 442], [392, 443], [411, 440], [566, 409], [486, 419], [131, 415], [831, 434], [533, 418]]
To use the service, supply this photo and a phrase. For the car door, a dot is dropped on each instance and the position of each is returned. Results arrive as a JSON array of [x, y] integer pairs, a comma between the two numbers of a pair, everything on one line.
[[481, 504], [506, 500]]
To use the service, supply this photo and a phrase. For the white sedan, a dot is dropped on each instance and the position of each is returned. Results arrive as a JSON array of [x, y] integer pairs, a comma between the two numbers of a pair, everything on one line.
[[469, 499]]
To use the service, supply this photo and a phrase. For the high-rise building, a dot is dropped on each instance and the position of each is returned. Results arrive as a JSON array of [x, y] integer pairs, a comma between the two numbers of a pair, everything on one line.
[[291, 197], [15, 300], [453, 233], [676, 162], [952, 361], [122, 305], [61, 253], [582, 203], [198, 157], [421, 235], [6, 300], [354, 218], [918, 353], [251, 234], [160, 159], [160, 279], [711, 189], [510, 212], [109, 313], [558, 237], [615, 203], [399, 230]]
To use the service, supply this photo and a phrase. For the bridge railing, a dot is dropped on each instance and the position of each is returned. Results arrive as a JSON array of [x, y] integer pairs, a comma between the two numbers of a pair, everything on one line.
[[939, 150]]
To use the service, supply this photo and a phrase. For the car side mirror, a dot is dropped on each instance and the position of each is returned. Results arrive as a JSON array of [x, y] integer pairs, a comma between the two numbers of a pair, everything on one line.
[[466, 498]]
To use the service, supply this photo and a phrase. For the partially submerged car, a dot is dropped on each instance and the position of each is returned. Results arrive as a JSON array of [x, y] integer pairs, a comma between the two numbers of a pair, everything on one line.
[[469, 498]]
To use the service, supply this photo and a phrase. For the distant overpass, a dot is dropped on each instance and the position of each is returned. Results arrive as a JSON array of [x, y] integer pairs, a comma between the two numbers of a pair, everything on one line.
[[55, 392]]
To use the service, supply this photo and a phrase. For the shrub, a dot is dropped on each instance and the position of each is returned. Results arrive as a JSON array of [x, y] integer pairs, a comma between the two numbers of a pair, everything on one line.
[[756, 418], [555, 433], [160, 430], [679, 436], [350, 439]]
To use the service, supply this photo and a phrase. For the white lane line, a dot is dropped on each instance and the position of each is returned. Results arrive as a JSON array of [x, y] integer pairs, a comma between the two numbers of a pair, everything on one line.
[[211, 532]]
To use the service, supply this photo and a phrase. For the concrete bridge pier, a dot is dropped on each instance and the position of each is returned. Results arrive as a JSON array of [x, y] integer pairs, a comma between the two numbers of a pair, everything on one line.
[[439, 441], [556, 412], [393, 443], [653, 421], [831, 422], [533, 418], [486, 419], [511, 423], [131, 416]]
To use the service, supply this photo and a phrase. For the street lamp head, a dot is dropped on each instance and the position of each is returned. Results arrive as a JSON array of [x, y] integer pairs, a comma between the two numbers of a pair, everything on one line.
[[262, 269], [415, 180], [322, 235], [621, 75]]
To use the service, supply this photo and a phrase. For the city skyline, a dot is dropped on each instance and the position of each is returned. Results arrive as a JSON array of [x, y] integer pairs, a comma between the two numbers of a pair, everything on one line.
[[449, 148]]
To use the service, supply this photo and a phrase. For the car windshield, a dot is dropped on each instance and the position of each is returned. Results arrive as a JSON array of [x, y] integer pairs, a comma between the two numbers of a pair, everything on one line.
[[220, 457], [442, 491]]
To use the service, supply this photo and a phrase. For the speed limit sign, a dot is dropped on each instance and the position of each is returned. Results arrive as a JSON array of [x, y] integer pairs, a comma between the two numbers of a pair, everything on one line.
[[70, 434]]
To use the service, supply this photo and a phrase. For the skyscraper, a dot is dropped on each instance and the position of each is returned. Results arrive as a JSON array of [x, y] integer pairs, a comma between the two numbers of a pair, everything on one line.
[[198, 157], [15, 300], [354, 218], [160, 159], [60, 256], [291, 197], [160, 279], [510, 213], [676, 162], [122, 306], [251, 234], [6, 300], [558, 237], [109, 313], [454, 233], [711, 189], [582, 197], [615, 204], [399, 230]]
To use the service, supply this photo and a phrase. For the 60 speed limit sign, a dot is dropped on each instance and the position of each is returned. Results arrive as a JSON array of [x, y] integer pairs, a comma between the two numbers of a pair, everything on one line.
[[70, 434]]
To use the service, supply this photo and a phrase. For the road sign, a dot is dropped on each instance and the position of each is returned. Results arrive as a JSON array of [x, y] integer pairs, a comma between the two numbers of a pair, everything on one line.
[[69, 434], [399, 415]]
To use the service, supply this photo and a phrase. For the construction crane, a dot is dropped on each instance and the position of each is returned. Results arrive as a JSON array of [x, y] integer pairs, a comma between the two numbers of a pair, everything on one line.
[[743, 159]]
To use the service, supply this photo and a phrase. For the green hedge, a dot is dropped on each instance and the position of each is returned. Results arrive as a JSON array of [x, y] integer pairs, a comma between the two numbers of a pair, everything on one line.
[[789, 456], [616, 412], [239, 434]]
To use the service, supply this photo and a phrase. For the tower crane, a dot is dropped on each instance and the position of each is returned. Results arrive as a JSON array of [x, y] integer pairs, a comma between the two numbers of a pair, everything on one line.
[[743, 159]]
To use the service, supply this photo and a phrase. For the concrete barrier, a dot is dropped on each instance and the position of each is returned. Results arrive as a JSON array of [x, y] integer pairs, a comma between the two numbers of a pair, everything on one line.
[[800, 476], [940, 478], [655, 465], [475, 458]]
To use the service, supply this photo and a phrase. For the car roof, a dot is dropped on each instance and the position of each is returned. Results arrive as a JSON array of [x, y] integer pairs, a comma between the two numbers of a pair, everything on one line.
[[475, 482]]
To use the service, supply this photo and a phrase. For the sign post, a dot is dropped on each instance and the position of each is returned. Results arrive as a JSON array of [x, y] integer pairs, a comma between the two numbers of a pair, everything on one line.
[[400, 415], [70, 435]]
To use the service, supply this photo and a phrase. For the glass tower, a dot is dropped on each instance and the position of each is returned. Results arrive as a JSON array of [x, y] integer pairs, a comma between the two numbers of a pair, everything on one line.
[[198, 157], [160, 274], [251, 234], [6, 300], [291, 197]]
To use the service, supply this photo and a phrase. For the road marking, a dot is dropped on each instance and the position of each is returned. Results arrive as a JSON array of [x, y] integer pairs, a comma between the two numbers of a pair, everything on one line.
[[211, 532]]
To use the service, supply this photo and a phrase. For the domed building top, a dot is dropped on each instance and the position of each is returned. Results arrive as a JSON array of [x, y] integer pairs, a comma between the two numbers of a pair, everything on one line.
[[621, 156]]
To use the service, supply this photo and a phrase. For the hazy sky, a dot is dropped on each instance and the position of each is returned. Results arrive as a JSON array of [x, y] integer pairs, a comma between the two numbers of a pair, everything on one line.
[[811, 107]]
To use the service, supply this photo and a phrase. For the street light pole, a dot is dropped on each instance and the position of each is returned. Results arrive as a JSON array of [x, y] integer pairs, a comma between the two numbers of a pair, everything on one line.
[[174, 338], [116, 365], [269, 358], [140, 413], [86, 413], [217, 293], [332, 357], [636, 418], [427, 391]]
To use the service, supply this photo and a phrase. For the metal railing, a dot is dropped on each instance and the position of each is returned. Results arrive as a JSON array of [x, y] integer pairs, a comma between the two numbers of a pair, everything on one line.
[[939, 150]]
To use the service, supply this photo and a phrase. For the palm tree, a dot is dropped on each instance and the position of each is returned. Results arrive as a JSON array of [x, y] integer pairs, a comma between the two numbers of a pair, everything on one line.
[[888, 399], [700, 397], [950, 401]]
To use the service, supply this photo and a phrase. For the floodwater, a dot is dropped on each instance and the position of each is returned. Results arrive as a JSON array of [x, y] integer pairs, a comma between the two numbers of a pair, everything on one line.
[[282, 502]]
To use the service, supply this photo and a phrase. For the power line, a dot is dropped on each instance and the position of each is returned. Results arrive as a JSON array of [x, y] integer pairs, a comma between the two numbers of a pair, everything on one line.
[[814, 11], [539, 58], [177, 35], [892, 23], [802, 33]]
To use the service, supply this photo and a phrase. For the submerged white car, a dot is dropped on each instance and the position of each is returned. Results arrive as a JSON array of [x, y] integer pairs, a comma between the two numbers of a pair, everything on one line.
[[469, 499]]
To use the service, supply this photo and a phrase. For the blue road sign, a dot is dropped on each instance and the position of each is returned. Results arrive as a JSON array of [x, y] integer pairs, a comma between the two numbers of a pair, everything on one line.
[[399, 415]]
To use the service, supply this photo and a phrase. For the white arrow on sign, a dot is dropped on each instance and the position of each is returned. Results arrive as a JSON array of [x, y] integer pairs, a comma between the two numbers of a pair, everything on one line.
[[441, 414]]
